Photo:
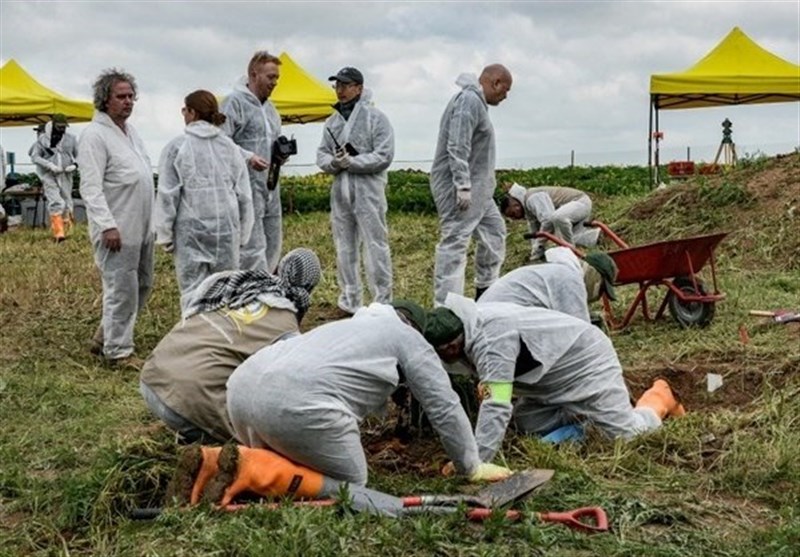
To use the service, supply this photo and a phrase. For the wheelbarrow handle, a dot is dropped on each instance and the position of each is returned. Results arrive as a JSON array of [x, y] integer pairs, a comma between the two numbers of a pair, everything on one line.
[[575, 519]]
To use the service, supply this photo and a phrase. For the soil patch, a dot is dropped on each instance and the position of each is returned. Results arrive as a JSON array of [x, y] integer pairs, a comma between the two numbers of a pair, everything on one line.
[[743, 380]]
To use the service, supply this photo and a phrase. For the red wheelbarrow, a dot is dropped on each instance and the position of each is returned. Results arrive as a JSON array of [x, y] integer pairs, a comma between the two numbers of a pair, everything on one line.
[[673, 264]]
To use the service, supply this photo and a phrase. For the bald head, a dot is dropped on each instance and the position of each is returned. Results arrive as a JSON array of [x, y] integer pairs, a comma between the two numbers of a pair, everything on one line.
[[495, 81]]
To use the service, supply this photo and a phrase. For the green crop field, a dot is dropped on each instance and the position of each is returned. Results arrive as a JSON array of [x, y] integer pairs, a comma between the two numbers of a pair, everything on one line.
[[79, 450]]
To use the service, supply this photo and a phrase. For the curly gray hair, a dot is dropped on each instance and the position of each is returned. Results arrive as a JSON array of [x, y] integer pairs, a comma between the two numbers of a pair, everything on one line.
[[104, 83]]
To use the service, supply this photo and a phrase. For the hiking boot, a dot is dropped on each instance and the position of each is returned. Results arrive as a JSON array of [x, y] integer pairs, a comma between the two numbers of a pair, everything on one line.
[[126, 362], [96, 342]]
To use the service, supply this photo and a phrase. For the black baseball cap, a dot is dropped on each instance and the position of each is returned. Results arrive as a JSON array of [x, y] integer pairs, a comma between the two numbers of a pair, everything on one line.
[[348, 75]]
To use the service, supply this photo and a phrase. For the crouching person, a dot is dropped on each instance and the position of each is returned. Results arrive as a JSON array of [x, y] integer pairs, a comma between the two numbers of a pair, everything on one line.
[[305, 397], [232, 315], [562, 371]]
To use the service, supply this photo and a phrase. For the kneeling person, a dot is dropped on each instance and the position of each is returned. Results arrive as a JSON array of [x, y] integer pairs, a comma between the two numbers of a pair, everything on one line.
[[561, 369], [305, 397], [233, 315]]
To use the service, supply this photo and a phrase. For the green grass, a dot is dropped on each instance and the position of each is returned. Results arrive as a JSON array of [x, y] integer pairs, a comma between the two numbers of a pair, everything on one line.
[[78, 448]]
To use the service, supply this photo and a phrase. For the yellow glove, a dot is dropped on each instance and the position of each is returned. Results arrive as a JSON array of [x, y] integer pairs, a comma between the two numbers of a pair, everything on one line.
[[487, 472]]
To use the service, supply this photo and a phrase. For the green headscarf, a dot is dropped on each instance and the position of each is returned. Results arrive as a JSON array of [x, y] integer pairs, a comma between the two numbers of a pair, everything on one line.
[[413, 311], [604, 265], [442, 326]]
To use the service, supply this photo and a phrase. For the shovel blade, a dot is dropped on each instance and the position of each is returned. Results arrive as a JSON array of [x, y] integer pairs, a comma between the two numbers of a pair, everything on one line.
[[514, 488]]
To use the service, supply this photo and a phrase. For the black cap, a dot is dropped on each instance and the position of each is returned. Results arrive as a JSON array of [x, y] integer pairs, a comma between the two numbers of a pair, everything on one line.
[[348, 75]]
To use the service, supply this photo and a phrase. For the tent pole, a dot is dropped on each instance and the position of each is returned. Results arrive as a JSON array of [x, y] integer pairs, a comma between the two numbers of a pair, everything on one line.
[[658, 141], [650, 145]]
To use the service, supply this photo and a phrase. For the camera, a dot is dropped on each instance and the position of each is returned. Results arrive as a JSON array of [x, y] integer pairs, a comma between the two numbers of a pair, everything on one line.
[[284, 147]]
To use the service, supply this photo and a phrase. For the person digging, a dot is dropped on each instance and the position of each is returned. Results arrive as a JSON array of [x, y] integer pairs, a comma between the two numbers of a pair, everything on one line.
[[562, 371]]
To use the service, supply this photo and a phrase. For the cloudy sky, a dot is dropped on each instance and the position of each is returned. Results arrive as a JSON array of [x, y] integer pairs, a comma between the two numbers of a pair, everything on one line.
[[581, 69]]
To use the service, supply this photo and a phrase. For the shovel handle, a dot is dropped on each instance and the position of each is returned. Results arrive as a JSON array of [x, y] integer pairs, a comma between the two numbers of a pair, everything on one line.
[[575, 519]]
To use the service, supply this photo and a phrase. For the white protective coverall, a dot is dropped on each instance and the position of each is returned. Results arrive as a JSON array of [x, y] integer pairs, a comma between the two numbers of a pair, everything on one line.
[[358, 200], [51, 165], [117, 188], [304, 397], [563, 370], [204, 205], [464, 160], [559, 211], [557, 285], [254, 127]]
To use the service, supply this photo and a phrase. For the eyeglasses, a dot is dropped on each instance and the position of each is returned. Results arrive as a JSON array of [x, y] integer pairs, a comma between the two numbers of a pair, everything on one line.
[[341, 85]]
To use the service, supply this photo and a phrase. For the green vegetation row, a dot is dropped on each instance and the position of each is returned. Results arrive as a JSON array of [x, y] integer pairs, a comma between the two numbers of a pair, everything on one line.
[[408, 190]]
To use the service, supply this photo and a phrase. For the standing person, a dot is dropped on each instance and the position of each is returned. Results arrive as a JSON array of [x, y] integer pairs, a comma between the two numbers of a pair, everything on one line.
[[3, 215], [55, 154], [204, 207], [463, 183], [357, 148], [117, 187], [254, 124], [304, 397], [560, 211]]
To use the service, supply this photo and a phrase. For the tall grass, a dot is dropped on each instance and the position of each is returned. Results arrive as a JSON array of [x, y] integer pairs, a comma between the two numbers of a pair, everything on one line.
[[78, 448]]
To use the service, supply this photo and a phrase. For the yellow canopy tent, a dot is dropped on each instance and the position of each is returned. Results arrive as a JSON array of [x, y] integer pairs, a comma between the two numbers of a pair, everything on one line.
[[736, 71], [25, 101], [299, 97]]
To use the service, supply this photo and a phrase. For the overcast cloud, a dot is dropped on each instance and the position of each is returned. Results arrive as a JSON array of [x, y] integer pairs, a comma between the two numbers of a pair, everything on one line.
[[581, 69]]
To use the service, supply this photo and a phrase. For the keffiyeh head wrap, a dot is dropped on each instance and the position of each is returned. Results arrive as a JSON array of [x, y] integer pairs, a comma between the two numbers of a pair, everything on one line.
[[298, 273]]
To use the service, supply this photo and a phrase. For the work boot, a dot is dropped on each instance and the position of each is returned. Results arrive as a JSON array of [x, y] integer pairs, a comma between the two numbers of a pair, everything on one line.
[[125, 362], [262, 472], [97, 340], [661, 400], [196, 466], [57, 226]]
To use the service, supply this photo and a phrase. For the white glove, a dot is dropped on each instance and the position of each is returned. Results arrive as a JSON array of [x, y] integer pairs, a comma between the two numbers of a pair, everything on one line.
[[54, 168], [71, 168], [487, 472], [342, 159], [168, 247], [463, 199]]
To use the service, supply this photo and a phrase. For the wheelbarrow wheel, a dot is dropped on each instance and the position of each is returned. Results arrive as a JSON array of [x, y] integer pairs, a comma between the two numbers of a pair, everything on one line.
[[690, 314]]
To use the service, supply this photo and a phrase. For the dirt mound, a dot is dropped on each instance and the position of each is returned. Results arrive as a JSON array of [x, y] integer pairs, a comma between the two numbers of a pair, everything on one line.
[[758, 203]]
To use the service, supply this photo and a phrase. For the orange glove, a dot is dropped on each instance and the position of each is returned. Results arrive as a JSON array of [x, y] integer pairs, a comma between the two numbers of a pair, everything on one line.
[[262, 472]]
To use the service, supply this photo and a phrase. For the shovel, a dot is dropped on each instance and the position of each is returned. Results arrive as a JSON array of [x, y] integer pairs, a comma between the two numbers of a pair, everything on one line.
[[363, 499], [498, 494]]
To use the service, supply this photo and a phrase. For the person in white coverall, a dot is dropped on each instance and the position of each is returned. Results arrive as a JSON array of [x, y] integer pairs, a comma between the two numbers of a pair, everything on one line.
[[204, 208], [463, 184], [254, 124], [563, 283], [558, 210], [304, 397], [55, 155], [358, 193], [117, 187], [562, 370]]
